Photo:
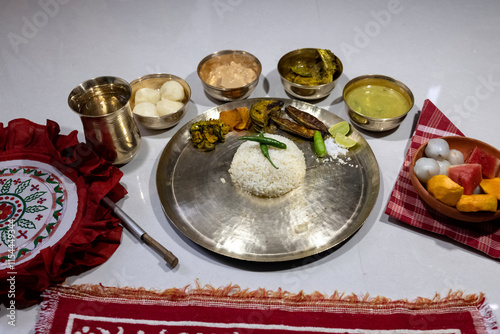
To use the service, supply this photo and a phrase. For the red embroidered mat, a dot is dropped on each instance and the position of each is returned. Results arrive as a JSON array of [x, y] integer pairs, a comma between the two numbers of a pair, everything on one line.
[[97, 309], [52, 224], [406, 206]]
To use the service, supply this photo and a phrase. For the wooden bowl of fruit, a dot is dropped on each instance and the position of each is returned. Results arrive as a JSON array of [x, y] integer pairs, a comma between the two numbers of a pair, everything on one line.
[[459, 177]]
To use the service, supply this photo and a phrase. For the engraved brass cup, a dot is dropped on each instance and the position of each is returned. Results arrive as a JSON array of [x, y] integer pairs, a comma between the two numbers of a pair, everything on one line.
[[104, 109]]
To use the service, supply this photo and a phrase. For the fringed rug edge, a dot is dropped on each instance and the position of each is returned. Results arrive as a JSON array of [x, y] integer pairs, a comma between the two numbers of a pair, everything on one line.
[[232, 292]]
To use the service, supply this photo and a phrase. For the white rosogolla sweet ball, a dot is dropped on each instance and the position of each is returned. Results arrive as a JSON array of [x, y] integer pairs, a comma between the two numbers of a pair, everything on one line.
[[426, 168], [443, 166], [147, 95], [145, 109], [172, 90], [165, 107], [455, 157], [438, 149]]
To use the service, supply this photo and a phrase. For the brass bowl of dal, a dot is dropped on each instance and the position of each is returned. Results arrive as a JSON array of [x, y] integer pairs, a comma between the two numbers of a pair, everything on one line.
[[377, 102]]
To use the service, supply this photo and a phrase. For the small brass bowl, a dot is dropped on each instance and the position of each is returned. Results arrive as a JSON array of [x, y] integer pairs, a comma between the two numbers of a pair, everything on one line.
[[155, 81], [377, 124], [304, 92], [225, 57]]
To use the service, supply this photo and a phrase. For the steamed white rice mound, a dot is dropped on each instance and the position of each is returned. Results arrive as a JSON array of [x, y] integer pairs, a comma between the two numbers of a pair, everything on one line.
[[253, 173]]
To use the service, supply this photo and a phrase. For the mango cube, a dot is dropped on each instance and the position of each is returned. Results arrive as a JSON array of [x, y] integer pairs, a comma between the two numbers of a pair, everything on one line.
[[445, 189], [475, 203]]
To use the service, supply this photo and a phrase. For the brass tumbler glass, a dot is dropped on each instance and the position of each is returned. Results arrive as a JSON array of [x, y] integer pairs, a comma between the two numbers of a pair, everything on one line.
[[108, 124]]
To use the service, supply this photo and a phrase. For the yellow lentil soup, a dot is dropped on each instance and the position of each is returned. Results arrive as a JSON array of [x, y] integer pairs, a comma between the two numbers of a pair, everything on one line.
[[377, 101]]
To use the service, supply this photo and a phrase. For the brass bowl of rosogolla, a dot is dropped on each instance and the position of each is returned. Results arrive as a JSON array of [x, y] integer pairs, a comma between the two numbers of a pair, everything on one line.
[[155, 82]]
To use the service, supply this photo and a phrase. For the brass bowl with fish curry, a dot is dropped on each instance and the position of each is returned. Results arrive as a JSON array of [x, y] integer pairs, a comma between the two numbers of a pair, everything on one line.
[[309, 74]]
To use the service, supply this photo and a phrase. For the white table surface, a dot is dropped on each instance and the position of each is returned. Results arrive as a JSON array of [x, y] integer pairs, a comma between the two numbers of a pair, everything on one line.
[[446, 51]]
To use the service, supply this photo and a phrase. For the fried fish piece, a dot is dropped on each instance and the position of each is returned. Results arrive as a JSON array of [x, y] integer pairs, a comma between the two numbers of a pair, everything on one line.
[[329, 64], [260, 112], [306, 119], [293, 128]]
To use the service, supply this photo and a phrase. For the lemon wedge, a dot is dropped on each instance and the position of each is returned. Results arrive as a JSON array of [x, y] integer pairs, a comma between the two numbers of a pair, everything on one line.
[[341, 127], [344, 140]]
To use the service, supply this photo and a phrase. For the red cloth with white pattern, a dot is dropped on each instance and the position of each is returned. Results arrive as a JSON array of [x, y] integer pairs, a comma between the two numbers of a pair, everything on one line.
[[79, 235], [406, 206], [96, 309]]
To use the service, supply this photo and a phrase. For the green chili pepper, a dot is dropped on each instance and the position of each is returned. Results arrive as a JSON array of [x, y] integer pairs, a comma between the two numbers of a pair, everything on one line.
[[319, 144], [265, 151], [264, 140]]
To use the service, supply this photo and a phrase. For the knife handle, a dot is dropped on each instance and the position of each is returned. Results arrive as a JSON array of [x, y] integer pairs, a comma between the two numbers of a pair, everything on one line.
[[167, 255]]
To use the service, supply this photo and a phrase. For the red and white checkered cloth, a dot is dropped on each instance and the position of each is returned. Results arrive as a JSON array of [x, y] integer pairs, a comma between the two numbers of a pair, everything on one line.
[[406, 206]]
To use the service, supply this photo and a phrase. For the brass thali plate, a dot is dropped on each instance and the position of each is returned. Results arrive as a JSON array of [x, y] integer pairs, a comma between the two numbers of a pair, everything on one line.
[[199, 198]]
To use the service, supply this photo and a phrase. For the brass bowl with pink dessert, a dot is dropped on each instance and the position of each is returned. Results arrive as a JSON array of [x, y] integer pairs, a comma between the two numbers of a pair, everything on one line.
[[229, 75]]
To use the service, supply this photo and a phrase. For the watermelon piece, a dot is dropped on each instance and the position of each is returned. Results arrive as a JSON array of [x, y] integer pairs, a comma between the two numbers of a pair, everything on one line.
[[488, 162], [469, 176]]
